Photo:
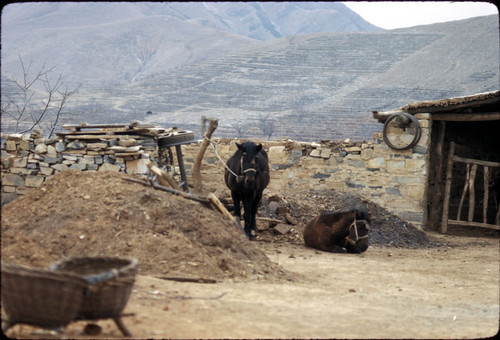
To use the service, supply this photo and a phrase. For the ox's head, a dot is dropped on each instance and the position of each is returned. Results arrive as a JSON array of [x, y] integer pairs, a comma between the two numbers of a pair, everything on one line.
[[249, 162], [357, 240]]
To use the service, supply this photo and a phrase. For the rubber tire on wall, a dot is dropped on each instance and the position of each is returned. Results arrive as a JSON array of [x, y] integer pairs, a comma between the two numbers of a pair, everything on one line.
[[414, 120]]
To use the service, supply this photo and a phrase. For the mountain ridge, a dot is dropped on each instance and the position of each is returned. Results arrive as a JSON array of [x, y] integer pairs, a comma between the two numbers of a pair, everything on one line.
[[323, 84], [69, 34], [305, 86]]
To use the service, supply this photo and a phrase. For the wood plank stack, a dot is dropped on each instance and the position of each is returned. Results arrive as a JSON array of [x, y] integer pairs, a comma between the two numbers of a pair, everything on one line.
[[123, 140]]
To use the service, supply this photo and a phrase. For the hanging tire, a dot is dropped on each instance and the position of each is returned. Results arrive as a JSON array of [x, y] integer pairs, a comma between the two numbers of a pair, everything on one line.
[[411, 126]]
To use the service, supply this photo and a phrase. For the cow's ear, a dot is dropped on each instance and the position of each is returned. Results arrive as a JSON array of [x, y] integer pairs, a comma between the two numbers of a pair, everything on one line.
[[259, 147], [240, 147]]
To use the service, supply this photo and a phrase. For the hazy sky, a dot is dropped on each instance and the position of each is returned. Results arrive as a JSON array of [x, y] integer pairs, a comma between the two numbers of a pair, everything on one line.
[[391, 15]]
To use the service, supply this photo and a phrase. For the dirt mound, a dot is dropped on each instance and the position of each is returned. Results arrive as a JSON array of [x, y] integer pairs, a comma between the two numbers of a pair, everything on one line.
[[82, 213], [87, 214]]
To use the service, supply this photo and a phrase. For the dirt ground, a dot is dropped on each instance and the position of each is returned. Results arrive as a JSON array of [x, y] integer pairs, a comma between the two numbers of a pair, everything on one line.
[[409, 284]]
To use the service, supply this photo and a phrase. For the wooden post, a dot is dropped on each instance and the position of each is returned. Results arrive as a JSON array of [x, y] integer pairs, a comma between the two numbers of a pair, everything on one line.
[[486, 193], [472, 192], [435, 183], [464, 191], [195, 172], [218, 204], [171, 157], [182, 169], [439, 152], [447, 189]]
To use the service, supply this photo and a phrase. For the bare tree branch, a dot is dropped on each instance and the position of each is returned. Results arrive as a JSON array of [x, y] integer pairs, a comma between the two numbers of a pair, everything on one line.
[[64, 97], [23, 110], [267, 125]]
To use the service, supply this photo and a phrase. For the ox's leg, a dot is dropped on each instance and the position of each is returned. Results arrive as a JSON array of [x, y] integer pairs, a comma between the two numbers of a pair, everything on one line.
[[255, 206], [237, 205], [247, 216]]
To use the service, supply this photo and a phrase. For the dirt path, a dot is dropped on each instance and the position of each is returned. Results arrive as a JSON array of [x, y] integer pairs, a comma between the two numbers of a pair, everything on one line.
[[409, 284], [383, 293]]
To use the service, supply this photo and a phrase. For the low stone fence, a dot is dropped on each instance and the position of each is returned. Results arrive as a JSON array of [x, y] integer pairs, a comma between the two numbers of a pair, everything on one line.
[[28, 161], [396, 180]]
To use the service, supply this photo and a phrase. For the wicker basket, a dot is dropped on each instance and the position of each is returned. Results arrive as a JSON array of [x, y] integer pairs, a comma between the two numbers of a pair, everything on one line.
[[109, 284], [39, 297]]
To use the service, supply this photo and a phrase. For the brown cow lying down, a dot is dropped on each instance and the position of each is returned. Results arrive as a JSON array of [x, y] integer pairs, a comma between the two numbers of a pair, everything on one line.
[[339, 231]]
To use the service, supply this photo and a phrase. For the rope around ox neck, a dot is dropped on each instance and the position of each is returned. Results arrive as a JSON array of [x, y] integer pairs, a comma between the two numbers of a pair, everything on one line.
[[220, 158]]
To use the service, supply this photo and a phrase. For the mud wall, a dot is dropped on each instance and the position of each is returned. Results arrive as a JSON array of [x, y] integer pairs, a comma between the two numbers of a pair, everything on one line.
[[395, 180]]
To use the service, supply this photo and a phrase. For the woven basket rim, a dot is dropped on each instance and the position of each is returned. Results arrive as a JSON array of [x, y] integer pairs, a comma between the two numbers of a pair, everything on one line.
[[116, 272], [23, 270]]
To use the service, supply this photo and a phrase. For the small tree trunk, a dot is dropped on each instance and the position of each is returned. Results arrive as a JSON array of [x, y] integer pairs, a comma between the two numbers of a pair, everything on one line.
[[195, 173]]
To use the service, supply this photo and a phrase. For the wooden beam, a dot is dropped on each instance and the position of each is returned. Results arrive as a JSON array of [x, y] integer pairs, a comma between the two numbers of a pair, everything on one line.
[[466, 117], [475, 161], [170, 190], [447, 189], [186, 279], [473, 224], [106, 126], [450, 104], [92, 132], [218, 204], [382, 116], [103, 135], [163, 176], [442, 116]]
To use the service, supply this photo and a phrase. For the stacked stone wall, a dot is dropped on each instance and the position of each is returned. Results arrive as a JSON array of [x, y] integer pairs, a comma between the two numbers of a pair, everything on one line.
[[396, 180], [29, 161]]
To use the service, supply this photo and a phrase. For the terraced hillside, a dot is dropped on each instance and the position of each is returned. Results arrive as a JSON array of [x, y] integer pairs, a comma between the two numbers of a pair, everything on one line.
[[99, 44], [321, 86], [308, 87], [290, 83]]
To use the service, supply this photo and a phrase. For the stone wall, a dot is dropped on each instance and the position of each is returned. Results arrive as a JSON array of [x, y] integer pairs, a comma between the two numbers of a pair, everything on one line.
[[28, 161], [395, 180]]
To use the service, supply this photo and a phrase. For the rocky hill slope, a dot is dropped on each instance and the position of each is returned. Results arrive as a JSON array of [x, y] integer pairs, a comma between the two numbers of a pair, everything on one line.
[[107, 43], [312, 86], [320, 86]]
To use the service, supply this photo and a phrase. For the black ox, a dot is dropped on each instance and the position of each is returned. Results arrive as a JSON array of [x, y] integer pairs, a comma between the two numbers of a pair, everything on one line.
[[247, 175], [339, 232]]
